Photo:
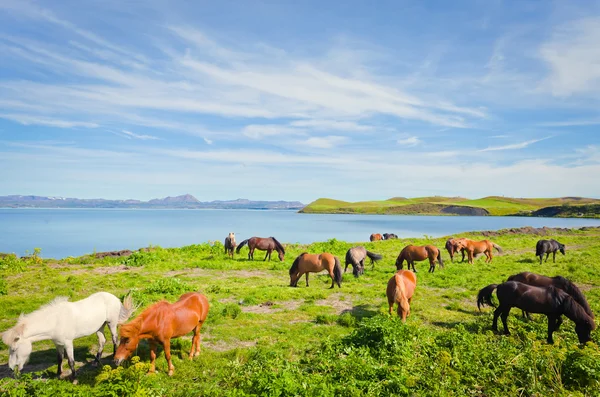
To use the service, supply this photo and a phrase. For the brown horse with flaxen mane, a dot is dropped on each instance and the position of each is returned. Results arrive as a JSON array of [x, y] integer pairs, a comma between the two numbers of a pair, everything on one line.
[[474, 248], [268, 244], [160, 323], [313, 263], [400, 289], [412, 253]]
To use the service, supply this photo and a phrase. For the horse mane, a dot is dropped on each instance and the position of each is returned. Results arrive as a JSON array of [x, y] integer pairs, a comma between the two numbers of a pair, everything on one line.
[[278, 244], [132, 328], [570, 288], [294, 268], [577, 313]]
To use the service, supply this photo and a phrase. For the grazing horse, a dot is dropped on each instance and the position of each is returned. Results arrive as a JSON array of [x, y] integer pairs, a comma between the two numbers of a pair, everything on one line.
[[412, 253], [474, 248], [313, 263], [452, 248], [356, 257], [160, 323], [268, 244], [230, 244], [62, 321], [376, 237], [400, 289], [389, 236], [548, 246], [551, 301], [560, 282]]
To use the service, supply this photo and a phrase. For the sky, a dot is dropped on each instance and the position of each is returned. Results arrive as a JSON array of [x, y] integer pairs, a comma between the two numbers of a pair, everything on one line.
[[296, 100]]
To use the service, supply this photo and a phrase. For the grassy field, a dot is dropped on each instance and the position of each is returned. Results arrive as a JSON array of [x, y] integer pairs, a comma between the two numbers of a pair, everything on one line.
[[435, 205], [264, 338]]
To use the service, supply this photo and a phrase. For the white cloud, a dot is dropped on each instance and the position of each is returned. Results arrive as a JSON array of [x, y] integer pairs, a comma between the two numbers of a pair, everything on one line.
[[325, 142], [409, 141], [260, 131], [130, 135], [573, 56], [38, 120], [514, 146]]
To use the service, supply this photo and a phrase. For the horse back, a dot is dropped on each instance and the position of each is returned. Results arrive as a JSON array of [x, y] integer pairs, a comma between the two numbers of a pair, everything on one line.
[[86, 316]]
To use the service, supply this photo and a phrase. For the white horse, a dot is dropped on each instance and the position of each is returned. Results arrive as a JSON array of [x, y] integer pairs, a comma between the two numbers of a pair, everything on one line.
[[62, 321]]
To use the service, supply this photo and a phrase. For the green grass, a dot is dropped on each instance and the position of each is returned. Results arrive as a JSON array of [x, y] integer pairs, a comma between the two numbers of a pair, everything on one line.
[[264, 338], [434, 205]]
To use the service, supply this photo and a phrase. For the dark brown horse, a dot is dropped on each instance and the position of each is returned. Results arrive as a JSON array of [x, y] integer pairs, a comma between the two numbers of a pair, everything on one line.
[[412, 253], [356, 257], [452, 248], [268, 244], [230, 244], [313, 263], [400, 290], [160, 323], [376, 237], [548, 247], [474, 248], [551, 301], [560, 282]]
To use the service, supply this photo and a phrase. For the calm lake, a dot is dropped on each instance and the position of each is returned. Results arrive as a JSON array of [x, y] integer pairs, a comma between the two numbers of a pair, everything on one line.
[[73, 232]]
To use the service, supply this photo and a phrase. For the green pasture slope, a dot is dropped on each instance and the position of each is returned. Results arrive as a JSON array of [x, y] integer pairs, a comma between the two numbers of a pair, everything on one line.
[[434, 205], [264, 338]]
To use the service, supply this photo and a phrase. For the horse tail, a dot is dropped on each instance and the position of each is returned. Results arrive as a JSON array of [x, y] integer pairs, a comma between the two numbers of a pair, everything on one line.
[[374, 257], [570, 288], [239, 247], [440, 258], [400, 293], [539, 248], [296, 264], [127, 309], [484, 297], [337, 272], [498, 248], [278, 245]]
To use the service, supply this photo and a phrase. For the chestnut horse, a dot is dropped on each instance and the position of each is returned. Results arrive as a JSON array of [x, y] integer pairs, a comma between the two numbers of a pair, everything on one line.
[[551, 301], [400, 289], [268, 244], [230, 244], [376, 237], [313, 263], [474, 248], [452, 248], [160, 323], [412, 253]]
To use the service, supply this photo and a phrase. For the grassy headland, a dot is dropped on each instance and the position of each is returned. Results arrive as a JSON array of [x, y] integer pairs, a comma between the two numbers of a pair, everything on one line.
[[438, 205], [264, 338]]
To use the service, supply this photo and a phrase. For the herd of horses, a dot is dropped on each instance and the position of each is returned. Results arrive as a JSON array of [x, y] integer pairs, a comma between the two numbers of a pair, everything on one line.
[[63, 321]]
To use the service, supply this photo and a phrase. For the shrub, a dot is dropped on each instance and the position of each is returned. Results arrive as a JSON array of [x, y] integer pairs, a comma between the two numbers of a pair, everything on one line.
[[11, 263], [168, 286], [231, 310]]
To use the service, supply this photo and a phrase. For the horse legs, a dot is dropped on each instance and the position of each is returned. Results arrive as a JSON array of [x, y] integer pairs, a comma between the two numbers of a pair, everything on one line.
[[332, 278], [412, 263], [504, 316], [60, 355], [71, 359], [167, 348], [541, 258], [306, 279], [153, 347], [431, 265], [552, 326], [267, 254], [101, 342], [547, 255], [112, 327], [495, 321], [195, 350], [554, 257]]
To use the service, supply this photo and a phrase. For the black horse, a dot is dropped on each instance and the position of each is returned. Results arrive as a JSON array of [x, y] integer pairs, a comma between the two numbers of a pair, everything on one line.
[[548, 246], [389, 236], [550, 301]]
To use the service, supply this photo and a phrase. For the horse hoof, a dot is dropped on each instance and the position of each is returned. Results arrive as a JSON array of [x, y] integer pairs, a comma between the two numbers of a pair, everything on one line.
[[170, 373], [75, 381]]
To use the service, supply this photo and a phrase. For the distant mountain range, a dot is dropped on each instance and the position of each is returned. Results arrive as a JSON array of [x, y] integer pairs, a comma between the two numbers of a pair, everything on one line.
[[184, 201]]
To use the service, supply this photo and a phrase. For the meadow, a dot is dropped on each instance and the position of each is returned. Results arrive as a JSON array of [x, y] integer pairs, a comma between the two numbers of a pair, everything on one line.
[[437, 205], [263, 337]]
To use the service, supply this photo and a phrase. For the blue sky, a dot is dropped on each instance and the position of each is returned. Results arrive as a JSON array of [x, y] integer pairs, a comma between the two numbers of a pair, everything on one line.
[[297, 100]]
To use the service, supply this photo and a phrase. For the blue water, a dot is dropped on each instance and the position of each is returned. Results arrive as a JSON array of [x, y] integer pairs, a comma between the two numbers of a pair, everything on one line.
[[73, 232]]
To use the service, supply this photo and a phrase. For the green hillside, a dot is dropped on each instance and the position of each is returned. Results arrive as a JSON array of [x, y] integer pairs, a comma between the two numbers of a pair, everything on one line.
[[438, 205]]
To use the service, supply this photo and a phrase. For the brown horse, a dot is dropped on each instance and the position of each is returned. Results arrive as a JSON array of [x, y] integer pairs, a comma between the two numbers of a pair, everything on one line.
[[376, 237], [268, 244], [313, 263], [160, 323], [474, 248], [400, 289], [452, 248], [412, 253], [230, 244], [551, 301], [560, 282]]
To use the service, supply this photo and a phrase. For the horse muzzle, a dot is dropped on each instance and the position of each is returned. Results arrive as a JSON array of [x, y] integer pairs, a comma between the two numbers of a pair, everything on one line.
[[118, 361]]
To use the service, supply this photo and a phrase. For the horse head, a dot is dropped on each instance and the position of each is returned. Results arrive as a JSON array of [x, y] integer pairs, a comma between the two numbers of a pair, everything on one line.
[[19, 347], [584, 330], [561, 248], [281, 255], [130, 339]]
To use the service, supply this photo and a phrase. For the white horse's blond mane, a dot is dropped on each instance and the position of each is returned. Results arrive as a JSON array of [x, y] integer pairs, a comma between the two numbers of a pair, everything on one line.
[[10, 334]]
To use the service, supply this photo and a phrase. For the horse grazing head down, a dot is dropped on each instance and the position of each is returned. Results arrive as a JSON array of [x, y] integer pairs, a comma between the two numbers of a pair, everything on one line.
[[561, 248], [19, 347], [130, 338]]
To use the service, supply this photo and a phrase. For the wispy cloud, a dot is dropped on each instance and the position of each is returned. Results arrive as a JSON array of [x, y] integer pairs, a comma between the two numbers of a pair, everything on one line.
[[409, 141], [325, 142], [514, 146], [39, 120], [143, 137], [571, 123]]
